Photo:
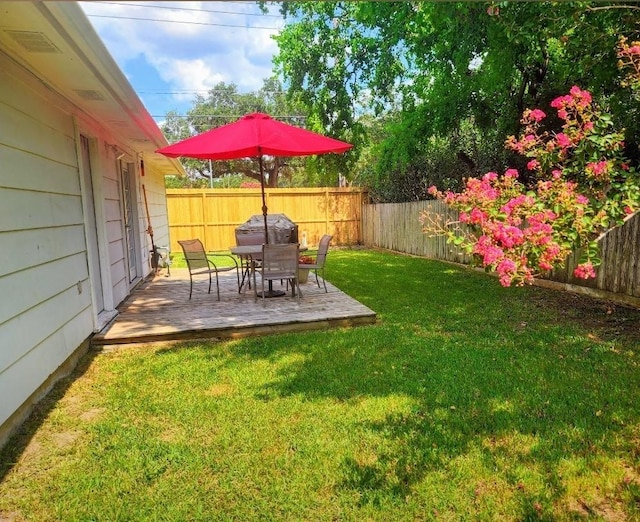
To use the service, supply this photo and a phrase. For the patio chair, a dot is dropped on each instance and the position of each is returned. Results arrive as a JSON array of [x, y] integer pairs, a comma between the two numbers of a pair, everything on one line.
[[278, 262], [199, 263], [319, 259]]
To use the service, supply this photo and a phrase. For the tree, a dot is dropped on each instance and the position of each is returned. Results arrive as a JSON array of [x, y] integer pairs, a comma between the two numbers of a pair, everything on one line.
[[447, 70], [224, 104]]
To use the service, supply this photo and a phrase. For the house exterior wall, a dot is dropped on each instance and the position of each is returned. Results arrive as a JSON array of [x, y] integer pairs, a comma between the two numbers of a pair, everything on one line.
[[47, 297]]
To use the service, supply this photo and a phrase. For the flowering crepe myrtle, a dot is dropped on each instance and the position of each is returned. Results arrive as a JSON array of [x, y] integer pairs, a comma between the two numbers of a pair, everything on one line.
[[584, 186]]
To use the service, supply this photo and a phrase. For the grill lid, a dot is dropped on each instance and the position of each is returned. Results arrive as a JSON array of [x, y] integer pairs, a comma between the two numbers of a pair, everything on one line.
[[281, 228]]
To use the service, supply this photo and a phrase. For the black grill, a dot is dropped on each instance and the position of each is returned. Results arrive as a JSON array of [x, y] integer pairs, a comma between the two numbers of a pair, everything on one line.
[[281, 230]]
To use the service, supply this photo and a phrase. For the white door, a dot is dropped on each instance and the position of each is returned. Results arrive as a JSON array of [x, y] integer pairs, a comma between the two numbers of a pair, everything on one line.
[[93, 247]]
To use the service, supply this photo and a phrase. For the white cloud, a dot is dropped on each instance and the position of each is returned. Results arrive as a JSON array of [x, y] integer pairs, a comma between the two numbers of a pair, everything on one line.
[[233, 48], [188, 75]]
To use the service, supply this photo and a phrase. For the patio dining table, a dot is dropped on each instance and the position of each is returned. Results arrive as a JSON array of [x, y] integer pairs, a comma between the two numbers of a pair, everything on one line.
[[248, 255]]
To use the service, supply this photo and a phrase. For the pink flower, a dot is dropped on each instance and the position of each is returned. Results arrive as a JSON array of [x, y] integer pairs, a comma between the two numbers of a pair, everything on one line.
[[490, 176], [539, 233], [491, 255], [597, 169], [508, 207], [450, 197], [588, 125], [549, 256], [563, 114], [477, 216], [585, 271], [561, 101], [530, 137], [563, 140], [489, 193], [545, 265], [542, 217], [583, 97], [533, 164], [557, 174], [508, 236], [505, 280], [464, 217], [634, 49], [432, 190], [552, 250], [628, 210], [489, 252], [583, 200], [511, 173], [506, 266], [537, 115]]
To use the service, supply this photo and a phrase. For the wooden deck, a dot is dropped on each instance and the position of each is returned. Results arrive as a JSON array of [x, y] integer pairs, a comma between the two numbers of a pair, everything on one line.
[[160, 310]]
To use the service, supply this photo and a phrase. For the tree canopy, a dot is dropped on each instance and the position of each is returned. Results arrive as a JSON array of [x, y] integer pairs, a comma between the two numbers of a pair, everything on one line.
[[450, 78]]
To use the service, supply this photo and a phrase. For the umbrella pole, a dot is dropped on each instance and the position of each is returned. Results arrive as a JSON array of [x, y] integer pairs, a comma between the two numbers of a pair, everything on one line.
[[264, 200], [271, 292]]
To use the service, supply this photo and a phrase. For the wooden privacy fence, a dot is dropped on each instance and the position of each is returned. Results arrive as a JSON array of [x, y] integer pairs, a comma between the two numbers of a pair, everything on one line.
[[212, 215], [396, 226]]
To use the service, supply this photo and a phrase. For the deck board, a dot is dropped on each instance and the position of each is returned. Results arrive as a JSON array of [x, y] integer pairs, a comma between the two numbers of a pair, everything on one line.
[[160, 310]]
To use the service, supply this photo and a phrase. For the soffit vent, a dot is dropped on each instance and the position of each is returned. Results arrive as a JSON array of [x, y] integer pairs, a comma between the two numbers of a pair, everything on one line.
[[89, 94], [34, 42], [119, 123]]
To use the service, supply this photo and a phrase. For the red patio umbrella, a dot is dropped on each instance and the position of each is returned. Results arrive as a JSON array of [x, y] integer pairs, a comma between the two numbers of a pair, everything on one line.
[[254, 136]]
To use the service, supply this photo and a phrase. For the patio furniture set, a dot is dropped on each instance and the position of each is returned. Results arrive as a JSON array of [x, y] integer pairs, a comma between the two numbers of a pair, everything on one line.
[[271, 262], [254, 136]]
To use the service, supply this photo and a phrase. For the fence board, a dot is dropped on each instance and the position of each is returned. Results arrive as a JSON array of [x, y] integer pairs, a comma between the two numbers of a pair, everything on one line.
[[213, 214]]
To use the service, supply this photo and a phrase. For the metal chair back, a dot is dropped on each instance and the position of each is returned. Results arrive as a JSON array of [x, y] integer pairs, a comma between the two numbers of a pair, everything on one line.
[[198, 263], [323, 250], [320, 259], [280, 261], [194, 254]]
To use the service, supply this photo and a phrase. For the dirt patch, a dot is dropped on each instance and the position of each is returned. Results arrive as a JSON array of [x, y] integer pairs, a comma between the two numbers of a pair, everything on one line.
[[91, 415], [65, 440], [605, 320]]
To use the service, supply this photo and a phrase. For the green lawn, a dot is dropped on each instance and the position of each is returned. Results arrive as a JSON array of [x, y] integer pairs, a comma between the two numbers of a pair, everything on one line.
[[467, 401]]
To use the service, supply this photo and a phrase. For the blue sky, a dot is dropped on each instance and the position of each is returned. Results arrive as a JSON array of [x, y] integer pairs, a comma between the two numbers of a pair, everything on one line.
[[170, 51]]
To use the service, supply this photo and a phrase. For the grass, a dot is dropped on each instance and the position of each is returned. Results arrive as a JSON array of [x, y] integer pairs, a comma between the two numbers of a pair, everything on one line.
[[220, 258], [466, 401]]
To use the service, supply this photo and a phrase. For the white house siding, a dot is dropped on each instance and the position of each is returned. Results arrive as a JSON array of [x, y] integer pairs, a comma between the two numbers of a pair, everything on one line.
[[153, 182], [45, 299], [46, 306]]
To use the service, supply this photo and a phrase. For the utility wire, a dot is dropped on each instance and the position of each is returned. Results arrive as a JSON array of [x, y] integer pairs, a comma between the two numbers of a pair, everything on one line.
[[205, 91], [152, 6], [181, 22]]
